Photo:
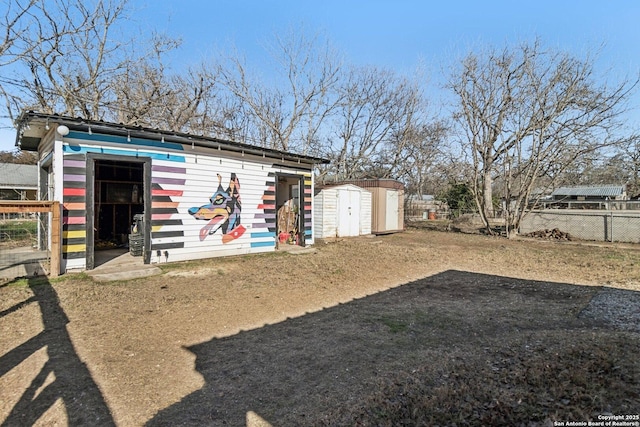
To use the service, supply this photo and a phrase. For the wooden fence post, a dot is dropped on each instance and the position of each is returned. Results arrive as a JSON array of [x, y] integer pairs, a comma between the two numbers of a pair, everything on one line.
[[56, 249]]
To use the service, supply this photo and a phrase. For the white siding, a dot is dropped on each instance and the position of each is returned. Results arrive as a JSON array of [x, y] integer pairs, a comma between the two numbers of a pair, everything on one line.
[[185, 179], [326, 214], [325, 217], [365, 213]]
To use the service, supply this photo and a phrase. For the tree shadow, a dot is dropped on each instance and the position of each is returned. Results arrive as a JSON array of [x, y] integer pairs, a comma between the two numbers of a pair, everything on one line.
[[288, 373], [72, 382]]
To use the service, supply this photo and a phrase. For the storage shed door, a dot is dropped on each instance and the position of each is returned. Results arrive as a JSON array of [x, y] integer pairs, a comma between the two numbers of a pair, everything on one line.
[[391, 220], [348, 213]]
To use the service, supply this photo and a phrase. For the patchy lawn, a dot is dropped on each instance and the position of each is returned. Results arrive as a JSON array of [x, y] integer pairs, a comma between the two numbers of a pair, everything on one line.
[[416, 328]]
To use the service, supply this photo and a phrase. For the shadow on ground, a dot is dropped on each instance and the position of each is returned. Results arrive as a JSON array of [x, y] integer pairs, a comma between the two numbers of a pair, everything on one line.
[[303, 370], [63, 377], [22, 261], [294, 372]]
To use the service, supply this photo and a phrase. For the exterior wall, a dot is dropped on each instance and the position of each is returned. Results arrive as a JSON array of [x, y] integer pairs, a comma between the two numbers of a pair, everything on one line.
[[387, 219], [365, 213], [184, 183], [74, 210], [326, 212]]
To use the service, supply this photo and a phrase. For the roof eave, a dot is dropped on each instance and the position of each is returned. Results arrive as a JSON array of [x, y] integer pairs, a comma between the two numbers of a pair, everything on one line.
[[31, 142]]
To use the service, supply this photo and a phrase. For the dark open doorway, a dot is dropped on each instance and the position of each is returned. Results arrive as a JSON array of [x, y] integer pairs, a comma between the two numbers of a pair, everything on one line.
[[118, 195]]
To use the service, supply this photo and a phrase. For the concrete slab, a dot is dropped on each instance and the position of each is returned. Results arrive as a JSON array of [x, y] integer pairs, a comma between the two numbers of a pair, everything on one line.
[[121, 266], [295, 249]]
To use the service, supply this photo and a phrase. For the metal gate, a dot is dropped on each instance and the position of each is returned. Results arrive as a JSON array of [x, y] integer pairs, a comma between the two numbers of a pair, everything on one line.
[[29, 239]]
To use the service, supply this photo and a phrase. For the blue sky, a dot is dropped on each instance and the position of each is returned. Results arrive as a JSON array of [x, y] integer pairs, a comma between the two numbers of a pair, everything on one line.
[[399, 34]]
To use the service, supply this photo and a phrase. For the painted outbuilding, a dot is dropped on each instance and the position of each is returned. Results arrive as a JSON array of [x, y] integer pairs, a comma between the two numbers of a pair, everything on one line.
[[184, 197], [342, 211]]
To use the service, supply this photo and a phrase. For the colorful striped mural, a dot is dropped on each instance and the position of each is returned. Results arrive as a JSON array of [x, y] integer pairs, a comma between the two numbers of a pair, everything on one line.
[[307, 203], [166, 223], [74, 208], [204, 202], [264, 224]]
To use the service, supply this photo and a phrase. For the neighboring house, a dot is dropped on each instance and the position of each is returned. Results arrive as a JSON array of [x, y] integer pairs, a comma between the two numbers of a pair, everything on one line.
[[190, 197], [18, 182], [591, 193]]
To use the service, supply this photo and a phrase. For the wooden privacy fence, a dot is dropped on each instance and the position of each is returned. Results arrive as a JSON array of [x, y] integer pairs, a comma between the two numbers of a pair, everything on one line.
[[40, 221]]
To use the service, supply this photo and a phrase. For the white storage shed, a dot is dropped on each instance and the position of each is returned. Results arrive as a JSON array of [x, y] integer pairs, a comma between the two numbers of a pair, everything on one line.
[[342, 211], [387, 203]]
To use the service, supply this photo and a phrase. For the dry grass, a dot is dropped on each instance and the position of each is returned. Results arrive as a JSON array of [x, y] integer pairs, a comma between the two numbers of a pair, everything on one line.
[[418, 328], [526, 386]]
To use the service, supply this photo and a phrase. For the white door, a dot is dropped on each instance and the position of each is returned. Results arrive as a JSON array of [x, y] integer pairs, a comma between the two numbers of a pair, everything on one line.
[[391, 211], [348, 213]]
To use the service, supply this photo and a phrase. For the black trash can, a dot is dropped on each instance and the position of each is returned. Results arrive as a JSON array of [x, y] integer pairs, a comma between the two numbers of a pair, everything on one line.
[[136, 238]]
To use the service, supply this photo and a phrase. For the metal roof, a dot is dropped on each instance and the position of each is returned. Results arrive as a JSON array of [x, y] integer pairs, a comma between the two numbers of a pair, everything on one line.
[[370, 183], [33, 126], [587, 190], [13, 175]]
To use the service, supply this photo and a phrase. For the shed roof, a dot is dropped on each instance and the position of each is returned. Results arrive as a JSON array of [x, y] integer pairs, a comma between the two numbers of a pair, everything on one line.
[[33, 126], [370, 183], [14, 175], [593, 191], [322, 187]]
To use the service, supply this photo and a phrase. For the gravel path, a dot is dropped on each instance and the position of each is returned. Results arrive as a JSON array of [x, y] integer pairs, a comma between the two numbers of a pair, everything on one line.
[[618, 308]]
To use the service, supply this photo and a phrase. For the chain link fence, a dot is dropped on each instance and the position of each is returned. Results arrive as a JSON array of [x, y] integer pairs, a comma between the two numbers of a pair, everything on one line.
[[606, 205], [605, 226], [582, 220], [419, 210]]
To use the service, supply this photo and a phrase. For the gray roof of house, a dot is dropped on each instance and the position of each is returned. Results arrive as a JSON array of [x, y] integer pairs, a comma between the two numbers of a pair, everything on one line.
[[13, 175], [595, 190]]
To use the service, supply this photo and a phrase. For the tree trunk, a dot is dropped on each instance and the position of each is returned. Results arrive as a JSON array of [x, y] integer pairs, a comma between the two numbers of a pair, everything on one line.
[[487, 194]]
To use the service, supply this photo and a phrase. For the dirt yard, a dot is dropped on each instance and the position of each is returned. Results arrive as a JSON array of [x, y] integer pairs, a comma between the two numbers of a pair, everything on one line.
[[417, 328]]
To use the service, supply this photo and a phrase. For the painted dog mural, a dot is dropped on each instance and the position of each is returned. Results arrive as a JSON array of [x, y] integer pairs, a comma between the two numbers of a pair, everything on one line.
[[223, 212]]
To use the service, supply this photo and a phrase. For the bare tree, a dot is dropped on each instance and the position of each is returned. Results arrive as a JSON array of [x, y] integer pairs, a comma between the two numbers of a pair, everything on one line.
[[488, 92], [196, 103], [143, 85], [69, 60], [15, 22], [377, 116], [528, 113], [423, 169], [286, 116], [148, 95], [73, 57], [630, 156], [19, 157]]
